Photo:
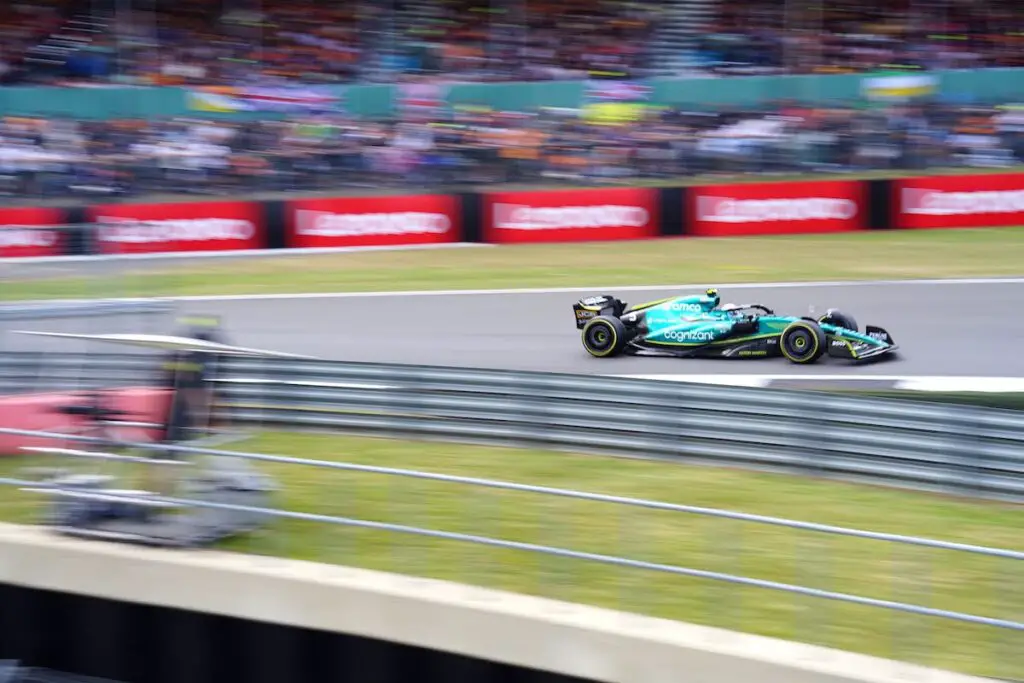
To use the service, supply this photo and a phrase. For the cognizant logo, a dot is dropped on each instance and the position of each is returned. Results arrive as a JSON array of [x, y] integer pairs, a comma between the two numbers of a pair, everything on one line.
[[690, 335]]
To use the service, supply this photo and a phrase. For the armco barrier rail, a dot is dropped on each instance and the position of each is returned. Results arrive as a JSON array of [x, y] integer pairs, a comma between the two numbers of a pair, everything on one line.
[[948, 448], [82, 309]]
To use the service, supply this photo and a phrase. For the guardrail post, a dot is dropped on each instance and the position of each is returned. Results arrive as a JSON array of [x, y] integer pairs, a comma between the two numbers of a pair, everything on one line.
[[1010, 592], [814, 421], [970, 443]]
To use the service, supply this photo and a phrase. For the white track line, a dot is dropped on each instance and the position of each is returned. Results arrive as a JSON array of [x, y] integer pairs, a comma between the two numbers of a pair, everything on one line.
[[909, 383], [720, 380], [586, 290], [561, 290], [609, 288], [1013, 385]]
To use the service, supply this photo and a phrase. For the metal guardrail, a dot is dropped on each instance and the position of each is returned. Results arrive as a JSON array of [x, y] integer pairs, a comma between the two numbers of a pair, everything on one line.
[[947, 448], [79, 309], [994, 570], [824, 529], [110, 316]]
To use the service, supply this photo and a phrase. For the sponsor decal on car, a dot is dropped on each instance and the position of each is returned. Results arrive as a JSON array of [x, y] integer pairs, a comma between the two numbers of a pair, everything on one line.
[[959, 201], [776, 208], [31, 232], [182, 227], [690, 335], [372, 221], [685, 307], [570, 215]]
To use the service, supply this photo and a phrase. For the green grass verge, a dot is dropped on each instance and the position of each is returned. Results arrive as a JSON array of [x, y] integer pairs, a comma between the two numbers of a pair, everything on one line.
[[1005, 401], [939, 579], [865, 256]]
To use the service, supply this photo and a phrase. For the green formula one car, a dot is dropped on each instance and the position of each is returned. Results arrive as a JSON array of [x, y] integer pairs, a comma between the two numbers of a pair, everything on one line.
[[699, 327]]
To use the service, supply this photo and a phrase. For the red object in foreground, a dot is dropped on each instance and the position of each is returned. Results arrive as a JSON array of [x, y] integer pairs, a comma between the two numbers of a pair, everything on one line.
[[372, 221], [975, 201], [182, 227], [776, 208], [570, 215], [39, 412], [24, 233]]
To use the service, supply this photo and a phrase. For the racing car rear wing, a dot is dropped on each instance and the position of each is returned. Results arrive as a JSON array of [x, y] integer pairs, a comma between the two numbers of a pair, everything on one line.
[[593, 306]]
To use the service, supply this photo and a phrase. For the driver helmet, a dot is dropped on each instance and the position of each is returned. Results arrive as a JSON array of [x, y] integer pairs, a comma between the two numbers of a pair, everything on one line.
[[712, 294]]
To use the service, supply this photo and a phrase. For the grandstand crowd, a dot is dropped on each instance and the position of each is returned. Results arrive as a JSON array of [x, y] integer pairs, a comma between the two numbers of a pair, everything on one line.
[[177, 42], [202, 43]]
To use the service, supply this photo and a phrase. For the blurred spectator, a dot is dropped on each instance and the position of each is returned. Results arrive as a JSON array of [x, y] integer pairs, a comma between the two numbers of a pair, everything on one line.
[[847, 36], [23, 25], [194, 42], [60, 158], [264, 42], [199, 42]]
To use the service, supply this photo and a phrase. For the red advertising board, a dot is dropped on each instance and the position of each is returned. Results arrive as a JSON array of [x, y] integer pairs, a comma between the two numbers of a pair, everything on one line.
[[959, 201], [570, 215], [372, 221], [24, 233], [180, 227], [776, 208]]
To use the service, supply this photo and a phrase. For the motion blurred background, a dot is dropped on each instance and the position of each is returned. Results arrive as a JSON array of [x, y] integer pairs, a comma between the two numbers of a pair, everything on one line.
[[310, 96]]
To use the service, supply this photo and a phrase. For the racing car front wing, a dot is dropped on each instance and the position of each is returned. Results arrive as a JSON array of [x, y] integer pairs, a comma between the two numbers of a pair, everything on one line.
[[849, 348]]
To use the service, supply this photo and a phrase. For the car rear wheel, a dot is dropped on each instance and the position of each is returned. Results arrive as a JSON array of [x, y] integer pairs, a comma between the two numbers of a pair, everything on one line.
[[604, 337], [839, 319], [803, 342]]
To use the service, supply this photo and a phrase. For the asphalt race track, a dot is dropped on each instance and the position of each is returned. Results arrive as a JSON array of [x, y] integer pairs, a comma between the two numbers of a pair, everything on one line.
[[957, 328]]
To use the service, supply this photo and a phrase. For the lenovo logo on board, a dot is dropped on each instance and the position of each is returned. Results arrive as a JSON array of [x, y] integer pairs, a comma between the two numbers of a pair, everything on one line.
[[938, 203], [570, 216], [729, 210], [185, 227], [959, 201], [134, 231], [327, 224], [372, 221], [30, 237], [776, 208], [31, 232], [523, 217]]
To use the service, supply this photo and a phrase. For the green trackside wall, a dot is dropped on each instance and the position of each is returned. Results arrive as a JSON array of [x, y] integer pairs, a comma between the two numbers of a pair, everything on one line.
[[379, 100]]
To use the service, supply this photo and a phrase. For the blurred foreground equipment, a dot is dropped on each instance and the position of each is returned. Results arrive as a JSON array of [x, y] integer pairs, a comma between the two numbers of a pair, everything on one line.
[[12, 672], [91, 497]]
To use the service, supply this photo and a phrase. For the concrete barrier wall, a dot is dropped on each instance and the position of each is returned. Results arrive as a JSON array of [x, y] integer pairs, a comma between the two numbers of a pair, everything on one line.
[[562, 639]]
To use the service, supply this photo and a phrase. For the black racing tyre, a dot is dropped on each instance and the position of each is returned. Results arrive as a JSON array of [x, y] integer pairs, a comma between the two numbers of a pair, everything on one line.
[[604, 337], [803, 342], [839, 319]]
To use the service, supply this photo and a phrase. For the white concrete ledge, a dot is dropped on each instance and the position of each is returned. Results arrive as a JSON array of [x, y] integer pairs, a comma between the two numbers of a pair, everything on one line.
[[596, 644]]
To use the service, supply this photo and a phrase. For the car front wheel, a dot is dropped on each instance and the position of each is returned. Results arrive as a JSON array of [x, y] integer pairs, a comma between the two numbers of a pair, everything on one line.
[[802, 342]]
